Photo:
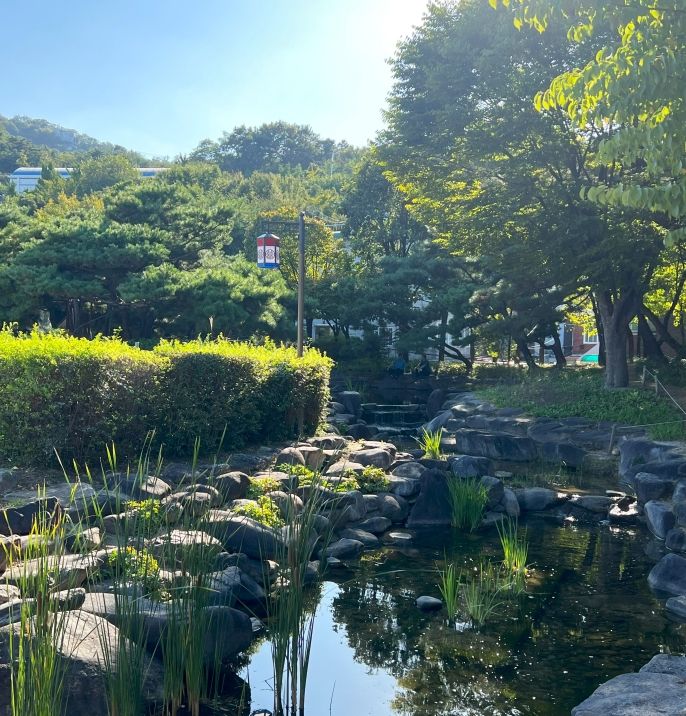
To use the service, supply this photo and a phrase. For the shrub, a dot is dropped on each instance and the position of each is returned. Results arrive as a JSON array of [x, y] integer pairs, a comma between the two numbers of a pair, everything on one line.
[[373, 480], [74, 396], [149, 512], [299, 471], [493, 373], [135, 565], [451, 370], [261, 486], [263, 510]]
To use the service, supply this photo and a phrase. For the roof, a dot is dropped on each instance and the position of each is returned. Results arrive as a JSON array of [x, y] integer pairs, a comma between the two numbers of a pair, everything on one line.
[[31, 171]]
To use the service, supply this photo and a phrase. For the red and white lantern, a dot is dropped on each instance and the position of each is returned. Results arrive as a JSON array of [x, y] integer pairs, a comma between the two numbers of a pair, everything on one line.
[[268, 251]]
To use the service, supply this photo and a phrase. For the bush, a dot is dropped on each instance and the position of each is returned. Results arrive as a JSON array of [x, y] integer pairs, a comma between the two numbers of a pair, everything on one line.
[[263, 510], [74, 396], [493, 373], [356, 356], [372, 480], [451, 370], [137, 566], [262, 486]]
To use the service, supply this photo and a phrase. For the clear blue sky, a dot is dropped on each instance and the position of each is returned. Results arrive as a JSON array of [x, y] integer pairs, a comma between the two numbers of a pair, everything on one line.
[[160, 75]]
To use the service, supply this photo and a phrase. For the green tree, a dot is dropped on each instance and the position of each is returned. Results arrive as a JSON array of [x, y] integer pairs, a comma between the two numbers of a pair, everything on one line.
[[96, 174]]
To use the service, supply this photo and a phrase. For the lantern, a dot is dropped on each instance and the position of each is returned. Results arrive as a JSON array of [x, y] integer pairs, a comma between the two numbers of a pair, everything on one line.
[[268, 251]]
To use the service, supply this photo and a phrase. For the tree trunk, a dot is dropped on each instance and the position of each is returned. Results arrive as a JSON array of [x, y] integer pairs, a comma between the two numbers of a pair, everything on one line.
[[651, 348], [524, 351], [560, 360], [442, 336], [616, 315], [599, 331]]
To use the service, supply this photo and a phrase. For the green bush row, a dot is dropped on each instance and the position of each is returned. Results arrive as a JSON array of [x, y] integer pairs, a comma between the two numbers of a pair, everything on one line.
[[74, 396]]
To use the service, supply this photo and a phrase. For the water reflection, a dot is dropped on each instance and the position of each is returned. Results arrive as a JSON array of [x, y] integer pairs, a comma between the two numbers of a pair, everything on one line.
[[587, 615]]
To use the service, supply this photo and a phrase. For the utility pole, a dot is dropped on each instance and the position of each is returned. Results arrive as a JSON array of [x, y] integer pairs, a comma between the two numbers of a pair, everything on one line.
[[301, 282]]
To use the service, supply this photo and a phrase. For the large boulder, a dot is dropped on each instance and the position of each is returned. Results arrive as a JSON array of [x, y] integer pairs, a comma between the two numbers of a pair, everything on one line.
[[375, 456], [495, 490], [651, 487], [561, 453], [344, 549], [352, 401], [89, 643], [496, 446], [394, 507], [242, 534], [538, 499], [290, 456], [438, 422], [20, 520], [232, 485], [635, 454], [676, 539], [659, 517], [432, 507], [410, 468], [405, 487], [668, 576], [470, 466]]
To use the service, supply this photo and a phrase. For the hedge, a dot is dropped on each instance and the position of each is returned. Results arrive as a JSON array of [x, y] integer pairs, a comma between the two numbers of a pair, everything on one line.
[[73, 396]]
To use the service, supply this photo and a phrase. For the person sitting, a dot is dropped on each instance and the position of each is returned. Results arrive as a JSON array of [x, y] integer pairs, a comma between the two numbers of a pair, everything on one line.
[[398, 367], [423, 370]]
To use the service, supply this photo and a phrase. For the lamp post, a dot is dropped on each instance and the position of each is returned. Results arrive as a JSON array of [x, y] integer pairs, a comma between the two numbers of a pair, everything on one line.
[[269, 257]]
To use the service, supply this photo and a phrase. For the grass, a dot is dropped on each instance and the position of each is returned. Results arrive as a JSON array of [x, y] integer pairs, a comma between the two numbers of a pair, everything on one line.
[[449, 586], [468, 499], [515, 548], [580, 393], [430, 442], [481, 593]]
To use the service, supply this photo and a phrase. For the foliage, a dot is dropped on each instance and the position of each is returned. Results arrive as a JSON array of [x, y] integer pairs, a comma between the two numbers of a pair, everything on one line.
[[580, 393], [494, 373], [75, 396], [481, 593], [134, 565], [515, 547], [261, 486], [149, 512], [263, 510], [372, 480], [449, 586], [430, 442], [451, 370], [468, 498]]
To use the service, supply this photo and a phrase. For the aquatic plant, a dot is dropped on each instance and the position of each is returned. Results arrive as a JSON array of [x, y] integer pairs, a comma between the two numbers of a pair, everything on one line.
[[449, 586], [481, 593], [515, 547], [430, 442], [468, 498]]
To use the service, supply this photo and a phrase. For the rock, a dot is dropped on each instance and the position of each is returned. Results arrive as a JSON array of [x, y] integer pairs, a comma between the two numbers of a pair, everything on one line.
[[405, 487], [182, 547], [599, 504], [344, 549], [429, 604], [352, 401], [410, 469], [232, 485], [497, 446], [9, 593], [369, 540], [398, 538], [328, 442], [435, 401], [290, 456], [376, 525], [20, 520], [242, 534], [668, 576], [624, 514], [562, 453], [651, 487], [636, 453], [438, 422], [371, 502], [69, 494], [377, 457], [83, 540], [676, 606], [537, 499], [635, 695], [666, 664], [231, 585], [321, 524], [195, 501], [82, 649], [361, 431], [143, 488], [464, 466], [288, 503], [494, 490], [314, 456], [432, 507], [659, 517], [676, 539], [510, 503], [68, 571], [9, 479], [342, 466], [679, 494], [67, 599], [491, 519]]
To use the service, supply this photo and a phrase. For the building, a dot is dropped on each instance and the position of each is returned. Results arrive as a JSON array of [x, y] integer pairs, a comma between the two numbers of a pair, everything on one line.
[[26, 178]]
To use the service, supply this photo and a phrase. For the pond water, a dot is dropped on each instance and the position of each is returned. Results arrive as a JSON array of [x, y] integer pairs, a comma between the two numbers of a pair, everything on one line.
[[587, 616]]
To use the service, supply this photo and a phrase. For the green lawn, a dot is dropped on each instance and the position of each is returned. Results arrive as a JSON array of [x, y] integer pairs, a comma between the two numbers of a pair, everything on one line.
[[581, 393]]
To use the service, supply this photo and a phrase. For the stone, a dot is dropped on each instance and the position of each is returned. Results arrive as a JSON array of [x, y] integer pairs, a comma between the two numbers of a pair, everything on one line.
[[679, 494], [328, 442], [342, 466], [429, 604], [376, 457], [636, 453], [369, 540], [314, 456], [67, 599], [495, 490], [435, 401], [432, 507], [668, 576], [496, 446], [376, 525], [651, 487], [82, 649], [405, 487], [231, 585], [599, 504], [83, 540], [470, 466], [361, 431], [510, 503], [194, 501], [9, 479], [181, 546], [143, 488], [491, 519], [344, 549], [290, 456], [562, 453], [352, 401], [20, 520], [410, 469], [624, 514], [69, 570], [288, 503], [398, 538], [676, 606], [676, 539], [635, 695], [666, 664], [9, 593], [371, 502], [232, 485], [242, 534], [438, 422], [659, 517], [538, 499]]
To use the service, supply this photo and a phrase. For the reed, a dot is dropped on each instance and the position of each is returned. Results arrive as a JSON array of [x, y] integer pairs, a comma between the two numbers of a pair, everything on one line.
[[481, 593], [449, 586], [430, 442], [468, 498], [515, 548]]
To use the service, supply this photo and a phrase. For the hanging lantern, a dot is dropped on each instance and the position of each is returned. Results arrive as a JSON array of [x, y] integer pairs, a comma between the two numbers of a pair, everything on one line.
[[268, 251]]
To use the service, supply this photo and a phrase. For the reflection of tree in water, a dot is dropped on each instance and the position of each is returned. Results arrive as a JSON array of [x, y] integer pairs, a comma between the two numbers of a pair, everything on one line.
[[587, 617]]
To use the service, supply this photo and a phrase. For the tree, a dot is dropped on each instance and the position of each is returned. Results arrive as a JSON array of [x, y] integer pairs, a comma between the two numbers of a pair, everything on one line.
[[501, 182], [94, 175]]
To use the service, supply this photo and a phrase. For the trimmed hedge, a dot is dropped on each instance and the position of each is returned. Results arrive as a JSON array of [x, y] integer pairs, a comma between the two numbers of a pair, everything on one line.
[[74, 396]]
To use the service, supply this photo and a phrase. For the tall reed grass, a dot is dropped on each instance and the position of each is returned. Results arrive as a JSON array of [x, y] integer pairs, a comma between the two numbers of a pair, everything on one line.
[[468, 498], [430, 442]]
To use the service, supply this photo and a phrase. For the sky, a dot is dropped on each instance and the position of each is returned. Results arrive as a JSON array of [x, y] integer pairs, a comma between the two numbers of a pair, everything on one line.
[[158, 76]]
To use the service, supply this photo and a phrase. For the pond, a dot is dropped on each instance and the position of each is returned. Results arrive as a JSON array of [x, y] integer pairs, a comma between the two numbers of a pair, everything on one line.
[[587, 615]]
